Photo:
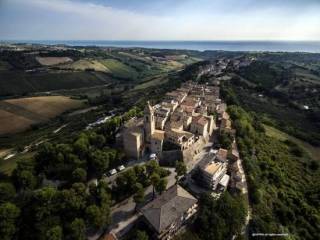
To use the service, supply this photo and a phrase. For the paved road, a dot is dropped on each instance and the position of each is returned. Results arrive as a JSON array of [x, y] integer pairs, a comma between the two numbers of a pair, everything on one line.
[[110, 180]]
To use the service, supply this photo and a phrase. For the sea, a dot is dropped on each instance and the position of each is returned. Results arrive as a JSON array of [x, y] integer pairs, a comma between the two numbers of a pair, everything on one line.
[[270, 46]]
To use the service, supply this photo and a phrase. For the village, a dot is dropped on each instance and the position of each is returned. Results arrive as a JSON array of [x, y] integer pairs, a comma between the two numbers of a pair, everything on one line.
[[185, 127]]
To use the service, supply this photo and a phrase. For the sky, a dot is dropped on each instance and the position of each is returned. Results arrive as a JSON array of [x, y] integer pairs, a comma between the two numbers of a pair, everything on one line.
[[160, 20]]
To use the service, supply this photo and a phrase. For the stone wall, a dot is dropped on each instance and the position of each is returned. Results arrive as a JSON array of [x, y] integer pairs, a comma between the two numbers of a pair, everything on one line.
[[168, 158]]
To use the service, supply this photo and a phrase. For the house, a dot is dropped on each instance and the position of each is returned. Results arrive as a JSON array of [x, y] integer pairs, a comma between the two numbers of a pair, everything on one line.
[[223, 184], [199, 126], [211, 172], [182, 138], [222, 155], [169, 211]]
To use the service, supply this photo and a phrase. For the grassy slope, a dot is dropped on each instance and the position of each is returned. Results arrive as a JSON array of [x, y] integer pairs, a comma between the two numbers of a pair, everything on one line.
[[7, 166], [119, 69], [283, 186], [314, 152], [84, 64], [21, 82]]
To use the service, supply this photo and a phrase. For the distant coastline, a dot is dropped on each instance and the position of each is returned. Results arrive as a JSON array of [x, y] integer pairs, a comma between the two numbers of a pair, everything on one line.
[[271, 46]]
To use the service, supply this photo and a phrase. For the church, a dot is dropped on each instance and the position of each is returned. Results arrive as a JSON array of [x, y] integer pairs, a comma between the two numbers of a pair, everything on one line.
[[184, 118]]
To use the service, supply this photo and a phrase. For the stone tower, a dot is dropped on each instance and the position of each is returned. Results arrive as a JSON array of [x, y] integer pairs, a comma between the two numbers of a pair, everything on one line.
[[149, 122]]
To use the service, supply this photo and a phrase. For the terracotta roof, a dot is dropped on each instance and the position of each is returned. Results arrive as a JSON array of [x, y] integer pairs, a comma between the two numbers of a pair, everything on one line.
[[200, 120], [222, 154], [212, 168], [188, 109]]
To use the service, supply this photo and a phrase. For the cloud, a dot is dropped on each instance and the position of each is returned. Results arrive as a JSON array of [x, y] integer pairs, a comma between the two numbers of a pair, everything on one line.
[[181, 20]]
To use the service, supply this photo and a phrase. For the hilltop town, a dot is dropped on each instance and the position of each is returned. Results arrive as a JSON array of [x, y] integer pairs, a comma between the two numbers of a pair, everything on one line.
[[135, 144], [184, 127]]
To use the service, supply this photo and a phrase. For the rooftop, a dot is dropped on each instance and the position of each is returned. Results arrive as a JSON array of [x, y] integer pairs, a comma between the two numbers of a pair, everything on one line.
[[181, 133], [168, 207], [200, 120], [222, 154], [212, 168], [224, 180]]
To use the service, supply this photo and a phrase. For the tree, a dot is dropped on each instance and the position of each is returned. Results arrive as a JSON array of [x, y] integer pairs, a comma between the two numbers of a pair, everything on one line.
[[45, 207], [181, 170], [23, 175], [81, 146], [126, 181], [155, 179], [152, 167], [25, 180], [95, 218], [79, 175], [54, 233], [9, 214], [97, 140], [138, 197], [161, 185], [7, 192], [225, 139], [105, 203], [141, 235], [220, 219], [141, 174], [74, 199], [99, 161], [77, 229]]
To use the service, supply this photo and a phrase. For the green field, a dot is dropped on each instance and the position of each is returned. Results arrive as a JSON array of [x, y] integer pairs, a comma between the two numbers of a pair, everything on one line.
[[18, 82], [152, 83], [119, 69], [314, 152], [83, 64], [7, 166]]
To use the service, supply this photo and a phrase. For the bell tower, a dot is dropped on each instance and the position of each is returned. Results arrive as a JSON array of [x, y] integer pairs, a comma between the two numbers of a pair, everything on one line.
[[149, 122]]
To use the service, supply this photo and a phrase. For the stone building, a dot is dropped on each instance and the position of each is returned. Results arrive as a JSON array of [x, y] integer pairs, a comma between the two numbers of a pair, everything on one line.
[[166, 214], [199, 126], [181, 118], [212, 172], [133, 138]]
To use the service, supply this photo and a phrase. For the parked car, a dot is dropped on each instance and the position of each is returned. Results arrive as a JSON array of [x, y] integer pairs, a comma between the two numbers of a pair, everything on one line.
[[121, 168], [112, 172], [153, 156]]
